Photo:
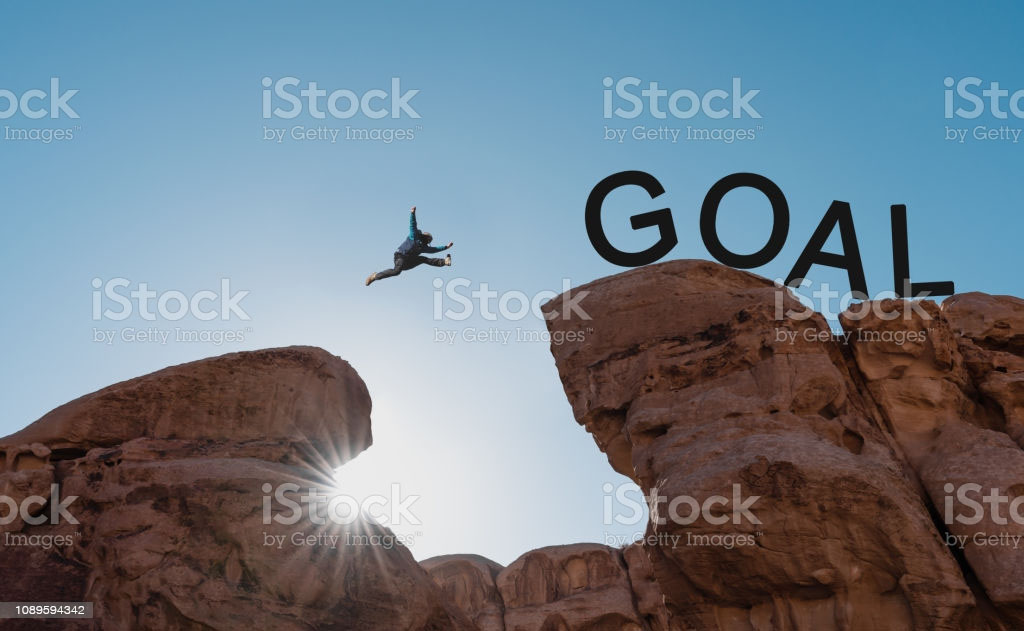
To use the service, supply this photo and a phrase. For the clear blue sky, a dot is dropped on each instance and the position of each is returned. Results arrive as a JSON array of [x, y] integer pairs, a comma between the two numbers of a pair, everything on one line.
[[168, 181]]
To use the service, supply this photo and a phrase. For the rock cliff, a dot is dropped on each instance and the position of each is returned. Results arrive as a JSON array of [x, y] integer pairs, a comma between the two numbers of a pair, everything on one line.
[[168, 528], [806, 478]]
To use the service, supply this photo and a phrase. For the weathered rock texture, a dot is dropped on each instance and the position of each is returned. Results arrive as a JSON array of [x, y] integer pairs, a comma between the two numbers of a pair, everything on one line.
[[468, 581], [704, 385], [570, 588], [802, 479], [170, 472], [578, 587]]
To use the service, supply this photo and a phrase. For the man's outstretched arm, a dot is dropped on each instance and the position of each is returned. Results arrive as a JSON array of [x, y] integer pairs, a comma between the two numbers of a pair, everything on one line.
[[429, 249], [412, 223]]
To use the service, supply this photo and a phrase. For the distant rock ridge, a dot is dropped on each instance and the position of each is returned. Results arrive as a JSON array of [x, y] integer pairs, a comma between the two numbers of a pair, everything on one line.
[[575, 586]]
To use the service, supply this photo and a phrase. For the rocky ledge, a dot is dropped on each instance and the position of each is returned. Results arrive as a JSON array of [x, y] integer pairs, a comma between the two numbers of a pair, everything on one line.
[[868, 450], [167, 528]]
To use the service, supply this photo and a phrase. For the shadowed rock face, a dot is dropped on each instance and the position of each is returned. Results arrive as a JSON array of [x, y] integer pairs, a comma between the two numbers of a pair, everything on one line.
[[170, 472], [700, 384], [953, 399], [569, 588], [468, 582], [576, 587]]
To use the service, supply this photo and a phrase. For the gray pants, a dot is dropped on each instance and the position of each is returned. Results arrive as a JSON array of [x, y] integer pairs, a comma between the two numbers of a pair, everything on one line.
[[405, 262]]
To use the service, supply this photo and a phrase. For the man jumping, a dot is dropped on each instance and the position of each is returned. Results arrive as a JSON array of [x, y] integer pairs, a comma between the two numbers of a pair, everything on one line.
[[410, 253]]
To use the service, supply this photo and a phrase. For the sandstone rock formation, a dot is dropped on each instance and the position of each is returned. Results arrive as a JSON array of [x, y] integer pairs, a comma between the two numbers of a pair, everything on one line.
[[468, 582], [952, 398], [570, 588], [650, 601], [710, 388], [170, 472], [576, 587], [802, 478]]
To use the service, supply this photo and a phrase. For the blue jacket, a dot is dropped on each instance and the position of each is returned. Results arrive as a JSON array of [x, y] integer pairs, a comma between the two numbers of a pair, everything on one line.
[[414, 244]]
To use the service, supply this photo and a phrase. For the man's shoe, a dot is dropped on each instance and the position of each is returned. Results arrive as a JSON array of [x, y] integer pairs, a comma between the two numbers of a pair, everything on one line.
[[448, 260], [372, 277]]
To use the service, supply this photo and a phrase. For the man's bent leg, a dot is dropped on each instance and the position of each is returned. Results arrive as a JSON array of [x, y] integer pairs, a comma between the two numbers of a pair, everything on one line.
[[394, 271], [429, 261]]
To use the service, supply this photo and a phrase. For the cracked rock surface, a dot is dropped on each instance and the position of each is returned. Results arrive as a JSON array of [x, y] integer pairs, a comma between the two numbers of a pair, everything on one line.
[[700, 381]]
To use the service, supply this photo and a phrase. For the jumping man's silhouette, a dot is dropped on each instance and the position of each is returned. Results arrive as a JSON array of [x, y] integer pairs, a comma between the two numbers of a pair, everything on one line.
[[410, 253]]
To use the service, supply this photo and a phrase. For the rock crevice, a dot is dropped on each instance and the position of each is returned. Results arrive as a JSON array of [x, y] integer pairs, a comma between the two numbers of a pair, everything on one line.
[[850, 443]]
